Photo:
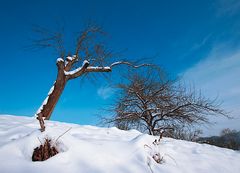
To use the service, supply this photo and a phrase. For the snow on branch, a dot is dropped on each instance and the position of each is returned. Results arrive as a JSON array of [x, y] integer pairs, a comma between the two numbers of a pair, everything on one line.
[[98, 69], [129, 64], [45, 101], [60, 60], [86, 68], [77, 72], [70, 60], [109, 68]]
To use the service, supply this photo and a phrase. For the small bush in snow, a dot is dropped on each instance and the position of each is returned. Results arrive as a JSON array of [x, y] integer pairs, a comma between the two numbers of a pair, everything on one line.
[[44, 151]]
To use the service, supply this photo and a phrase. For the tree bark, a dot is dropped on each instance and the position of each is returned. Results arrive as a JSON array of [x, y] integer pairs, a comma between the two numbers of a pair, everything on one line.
[[64, 74], [46, 109], [53, 96]]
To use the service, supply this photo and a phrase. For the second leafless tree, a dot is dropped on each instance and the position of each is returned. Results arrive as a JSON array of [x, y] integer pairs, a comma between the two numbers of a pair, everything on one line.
[[151, 102]]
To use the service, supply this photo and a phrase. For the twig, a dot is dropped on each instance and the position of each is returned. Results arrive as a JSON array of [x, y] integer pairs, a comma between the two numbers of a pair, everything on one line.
[[147, 146], [63, 134], [39, 141], [150, 167], [171, 158]]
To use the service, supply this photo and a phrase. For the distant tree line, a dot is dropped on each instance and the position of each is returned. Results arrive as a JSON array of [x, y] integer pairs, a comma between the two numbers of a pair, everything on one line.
[[227, 139]]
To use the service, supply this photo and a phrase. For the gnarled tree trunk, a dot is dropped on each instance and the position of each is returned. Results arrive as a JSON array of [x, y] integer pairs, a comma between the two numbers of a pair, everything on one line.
[[89, 52], [54, 95], [46, 109], [64, 74]]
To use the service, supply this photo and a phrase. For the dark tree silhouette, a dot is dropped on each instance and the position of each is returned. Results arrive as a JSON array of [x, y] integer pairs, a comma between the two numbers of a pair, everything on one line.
[[151, 102]]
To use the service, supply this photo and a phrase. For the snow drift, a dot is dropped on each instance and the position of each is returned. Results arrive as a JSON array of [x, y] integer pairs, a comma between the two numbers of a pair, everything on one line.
[[90, 149]]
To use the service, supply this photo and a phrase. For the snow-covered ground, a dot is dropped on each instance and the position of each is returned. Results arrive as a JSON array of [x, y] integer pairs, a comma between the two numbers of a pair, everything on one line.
[[89, 149]]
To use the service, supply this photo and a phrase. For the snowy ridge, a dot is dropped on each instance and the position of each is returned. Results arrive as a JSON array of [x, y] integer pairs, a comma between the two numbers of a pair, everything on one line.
[[90, 149]]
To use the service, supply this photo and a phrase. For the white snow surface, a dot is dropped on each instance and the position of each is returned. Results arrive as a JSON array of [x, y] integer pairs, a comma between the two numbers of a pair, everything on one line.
[[90, 149]]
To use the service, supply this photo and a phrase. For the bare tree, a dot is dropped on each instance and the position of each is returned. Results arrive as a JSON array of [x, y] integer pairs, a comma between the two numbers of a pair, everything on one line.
[[183, 132], [152, 102], [90, 56]]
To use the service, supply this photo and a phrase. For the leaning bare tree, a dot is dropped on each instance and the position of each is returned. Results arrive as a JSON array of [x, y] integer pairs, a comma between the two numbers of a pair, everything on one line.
[[151, 102], [90, 56]]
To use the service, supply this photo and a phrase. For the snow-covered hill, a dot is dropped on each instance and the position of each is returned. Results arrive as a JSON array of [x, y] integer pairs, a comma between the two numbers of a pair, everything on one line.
[[88, 149]]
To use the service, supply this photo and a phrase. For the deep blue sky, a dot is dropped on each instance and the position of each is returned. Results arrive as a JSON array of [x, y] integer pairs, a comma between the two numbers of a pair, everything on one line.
[[181, 34]]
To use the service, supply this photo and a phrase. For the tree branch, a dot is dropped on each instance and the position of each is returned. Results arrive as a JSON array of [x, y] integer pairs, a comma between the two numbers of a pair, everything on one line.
[[60, 64], [98, 69], [70, 61], [77, 72], [129, 64]]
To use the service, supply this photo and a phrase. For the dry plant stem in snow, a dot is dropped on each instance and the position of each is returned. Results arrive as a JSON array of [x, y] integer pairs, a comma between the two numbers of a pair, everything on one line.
[[44, 151], [154, 151], [47, 149]]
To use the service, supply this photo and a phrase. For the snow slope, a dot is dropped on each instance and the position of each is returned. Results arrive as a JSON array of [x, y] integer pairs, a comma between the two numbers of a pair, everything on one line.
[[88, 149]]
